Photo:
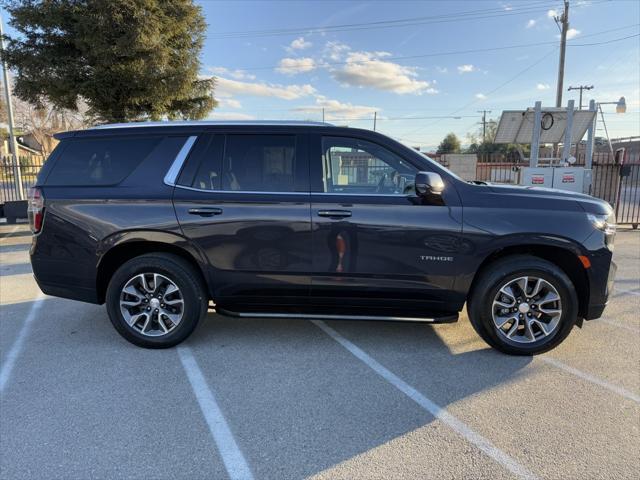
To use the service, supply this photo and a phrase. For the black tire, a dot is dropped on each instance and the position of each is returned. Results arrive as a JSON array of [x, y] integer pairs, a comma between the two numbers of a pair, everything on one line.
[[486, 287], [178, 271]]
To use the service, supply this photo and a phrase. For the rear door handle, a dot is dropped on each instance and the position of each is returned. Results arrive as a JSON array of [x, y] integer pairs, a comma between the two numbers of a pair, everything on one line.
[[334, 213], [206, 211]]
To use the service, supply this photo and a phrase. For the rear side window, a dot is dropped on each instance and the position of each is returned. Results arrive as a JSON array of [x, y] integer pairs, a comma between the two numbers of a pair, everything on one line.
[[260, 163], [100, 161]]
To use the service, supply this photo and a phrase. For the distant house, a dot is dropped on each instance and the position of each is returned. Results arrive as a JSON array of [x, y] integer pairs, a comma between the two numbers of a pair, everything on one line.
[[27, 146]]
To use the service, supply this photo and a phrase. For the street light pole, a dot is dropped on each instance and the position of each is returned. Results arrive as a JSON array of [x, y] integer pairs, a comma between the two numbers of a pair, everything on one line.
[[12, 137]]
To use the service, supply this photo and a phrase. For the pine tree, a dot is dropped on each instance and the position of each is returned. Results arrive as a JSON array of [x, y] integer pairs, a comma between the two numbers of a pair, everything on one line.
[[126, 59]]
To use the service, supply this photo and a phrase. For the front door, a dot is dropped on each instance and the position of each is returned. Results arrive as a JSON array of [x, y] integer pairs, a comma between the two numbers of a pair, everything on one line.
[[376, 246], [243, 199]]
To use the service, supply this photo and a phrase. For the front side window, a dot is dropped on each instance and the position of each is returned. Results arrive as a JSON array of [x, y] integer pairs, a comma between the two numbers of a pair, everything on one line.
[[260, 163], [353, 166]]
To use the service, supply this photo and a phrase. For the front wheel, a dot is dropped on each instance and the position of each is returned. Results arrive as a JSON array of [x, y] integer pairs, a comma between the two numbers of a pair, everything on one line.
[[156, 300], [523, 305]]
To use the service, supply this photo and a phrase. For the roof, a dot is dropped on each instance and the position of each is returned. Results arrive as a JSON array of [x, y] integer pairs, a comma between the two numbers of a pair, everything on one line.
[[218, 123]]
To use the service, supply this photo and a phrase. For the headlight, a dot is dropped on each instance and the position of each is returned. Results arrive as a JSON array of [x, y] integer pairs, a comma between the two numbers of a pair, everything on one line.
[[606, 224]]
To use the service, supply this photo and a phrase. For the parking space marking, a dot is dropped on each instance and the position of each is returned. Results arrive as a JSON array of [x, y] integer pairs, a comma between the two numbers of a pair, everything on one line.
[[626, 292], [232, 456], [14, 351], [591, 378], [630, 328], [437, 411]]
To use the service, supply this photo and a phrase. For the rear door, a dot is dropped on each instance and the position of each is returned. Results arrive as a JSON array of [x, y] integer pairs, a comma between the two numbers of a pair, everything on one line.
[[377, 247], [243, 199]]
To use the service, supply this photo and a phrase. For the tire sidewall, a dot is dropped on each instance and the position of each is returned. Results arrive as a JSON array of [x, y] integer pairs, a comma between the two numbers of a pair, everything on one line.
[[191, 294]]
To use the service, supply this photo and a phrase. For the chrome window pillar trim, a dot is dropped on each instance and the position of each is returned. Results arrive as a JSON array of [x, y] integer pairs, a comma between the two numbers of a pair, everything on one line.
[[206, 190], [172, 174]]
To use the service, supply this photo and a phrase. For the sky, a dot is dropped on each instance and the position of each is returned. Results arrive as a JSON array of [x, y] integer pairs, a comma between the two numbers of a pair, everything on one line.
[[423, 68], [288, 60]]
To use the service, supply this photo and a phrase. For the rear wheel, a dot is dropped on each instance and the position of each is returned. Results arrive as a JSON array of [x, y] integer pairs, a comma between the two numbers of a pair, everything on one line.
[[523, 305], [156, 300]]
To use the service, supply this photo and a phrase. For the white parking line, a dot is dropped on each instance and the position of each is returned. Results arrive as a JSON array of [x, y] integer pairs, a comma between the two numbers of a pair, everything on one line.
[[14, 351], [232, 456], [630, 328], [437, 411], [626, 292], [590, 378]]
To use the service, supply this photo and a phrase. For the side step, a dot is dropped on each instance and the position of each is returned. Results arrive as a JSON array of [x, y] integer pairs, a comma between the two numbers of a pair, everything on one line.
[[313, 316]]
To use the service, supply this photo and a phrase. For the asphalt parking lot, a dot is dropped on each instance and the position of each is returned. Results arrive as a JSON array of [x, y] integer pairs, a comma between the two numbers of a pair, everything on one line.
[[280, 399]]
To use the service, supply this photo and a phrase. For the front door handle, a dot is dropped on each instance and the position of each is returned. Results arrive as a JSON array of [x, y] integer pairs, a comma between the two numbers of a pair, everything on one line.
[[334, 213], [205, 211]]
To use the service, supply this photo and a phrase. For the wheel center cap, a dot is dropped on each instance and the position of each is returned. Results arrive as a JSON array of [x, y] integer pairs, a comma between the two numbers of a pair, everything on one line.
[[154, 303], [523, 307]]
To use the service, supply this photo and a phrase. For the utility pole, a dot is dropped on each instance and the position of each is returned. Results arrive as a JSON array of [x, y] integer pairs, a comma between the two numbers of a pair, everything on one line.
[[581, 88], [564, 21], [17, 177], [375, 118], [322, 114], [484, 124]]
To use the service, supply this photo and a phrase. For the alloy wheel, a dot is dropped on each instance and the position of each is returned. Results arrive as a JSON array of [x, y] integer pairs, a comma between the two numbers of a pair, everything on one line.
[[151, 304], [526, 309]]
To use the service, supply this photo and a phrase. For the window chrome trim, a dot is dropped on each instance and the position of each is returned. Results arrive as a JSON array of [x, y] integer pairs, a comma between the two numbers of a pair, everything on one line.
[[206, 190], [172, 174], [255, 192]]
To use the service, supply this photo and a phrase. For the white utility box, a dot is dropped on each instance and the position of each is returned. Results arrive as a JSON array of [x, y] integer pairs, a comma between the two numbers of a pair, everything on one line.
[[574, 179], [537, 177]]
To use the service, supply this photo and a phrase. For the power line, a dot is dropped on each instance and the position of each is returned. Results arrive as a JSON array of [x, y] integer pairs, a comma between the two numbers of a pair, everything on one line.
[[405, 22], [455, 52]]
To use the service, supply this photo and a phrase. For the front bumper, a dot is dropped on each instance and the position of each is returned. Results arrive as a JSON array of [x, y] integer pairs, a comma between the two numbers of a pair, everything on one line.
[[601, 280]]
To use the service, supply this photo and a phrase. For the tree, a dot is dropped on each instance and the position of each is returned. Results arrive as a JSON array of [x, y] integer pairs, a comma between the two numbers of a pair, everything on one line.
[[450, 144], [127, 59]]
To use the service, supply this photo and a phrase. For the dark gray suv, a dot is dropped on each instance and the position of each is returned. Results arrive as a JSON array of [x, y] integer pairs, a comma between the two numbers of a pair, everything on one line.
[[309, 220]]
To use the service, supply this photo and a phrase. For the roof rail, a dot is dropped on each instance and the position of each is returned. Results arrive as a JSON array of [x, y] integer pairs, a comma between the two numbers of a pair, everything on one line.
[[200, 123]]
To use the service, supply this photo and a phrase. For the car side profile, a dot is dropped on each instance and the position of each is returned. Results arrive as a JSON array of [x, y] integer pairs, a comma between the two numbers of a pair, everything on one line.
[[308, 220]]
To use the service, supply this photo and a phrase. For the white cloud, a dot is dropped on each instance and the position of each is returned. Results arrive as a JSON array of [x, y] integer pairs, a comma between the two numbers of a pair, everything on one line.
[[230, 116], [572, 33], [467, 68], [543, 86], [335, 50], [237, 74], [368, 69], [481, 96], [506, 7], [229, 103], [226, 87], [336, 110], [442, 69], [531, 23], [293, 66], [552, 13], [299, 44]]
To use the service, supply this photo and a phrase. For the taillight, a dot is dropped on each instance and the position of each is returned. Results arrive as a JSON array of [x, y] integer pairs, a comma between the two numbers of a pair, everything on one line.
[[35, 209]]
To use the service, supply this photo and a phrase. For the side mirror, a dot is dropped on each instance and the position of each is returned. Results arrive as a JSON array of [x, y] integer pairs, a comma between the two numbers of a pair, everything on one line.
[[428, 184]]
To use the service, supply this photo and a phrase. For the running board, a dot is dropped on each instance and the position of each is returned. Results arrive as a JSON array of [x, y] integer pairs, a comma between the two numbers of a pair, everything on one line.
[[312, 316]]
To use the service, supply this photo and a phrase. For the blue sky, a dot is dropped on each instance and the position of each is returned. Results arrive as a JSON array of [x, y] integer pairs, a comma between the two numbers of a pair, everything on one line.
[[357, 70], [354, 72]]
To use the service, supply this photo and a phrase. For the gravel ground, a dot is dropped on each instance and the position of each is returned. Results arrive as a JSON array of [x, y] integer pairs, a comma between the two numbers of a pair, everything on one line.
[[280, 399]]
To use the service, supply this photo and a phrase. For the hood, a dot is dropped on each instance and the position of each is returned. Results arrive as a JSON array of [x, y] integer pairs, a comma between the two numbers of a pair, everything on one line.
[[586, 202]]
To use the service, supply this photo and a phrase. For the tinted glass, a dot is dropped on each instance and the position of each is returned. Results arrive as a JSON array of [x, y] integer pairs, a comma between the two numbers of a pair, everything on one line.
[[357, 166], [260, 163], [209, 172], [100, 161]]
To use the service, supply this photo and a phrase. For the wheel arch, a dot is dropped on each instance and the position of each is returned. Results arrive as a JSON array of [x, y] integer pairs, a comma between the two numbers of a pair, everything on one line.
[[119, 250], [562, 256]]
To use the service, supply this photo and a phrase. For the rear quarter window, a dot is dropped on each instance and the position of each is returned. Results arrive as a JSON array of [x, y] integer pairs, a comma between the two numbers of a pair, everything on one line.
[[99, 161]]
